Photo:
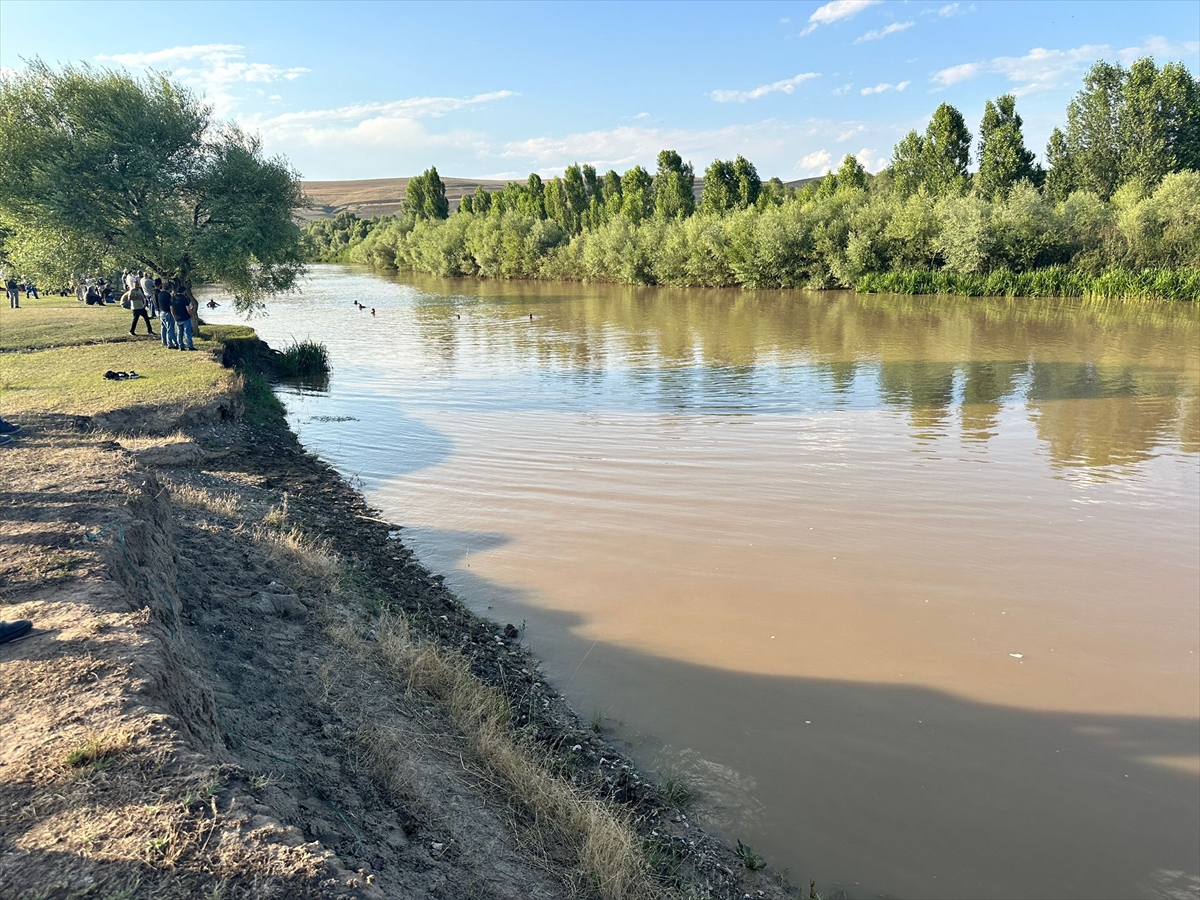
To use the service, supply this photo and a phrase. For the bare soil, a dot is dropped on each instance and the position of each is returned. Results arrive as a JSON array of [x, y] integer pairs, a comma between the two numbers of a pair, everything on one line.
[[193, 715]]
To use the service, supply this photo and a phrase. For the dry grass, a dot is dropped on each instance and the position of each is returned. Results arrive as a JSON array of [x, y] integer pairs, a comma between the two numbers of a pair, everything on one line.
[[222, 503], [305, 562], [605, 844], [101, 748]]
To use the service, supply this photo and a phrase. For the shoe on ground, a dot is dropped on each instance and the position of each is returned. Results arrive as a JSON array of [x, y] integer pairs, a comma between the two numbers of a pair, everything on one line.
[[9, 427], [10, 631], [5, 440]]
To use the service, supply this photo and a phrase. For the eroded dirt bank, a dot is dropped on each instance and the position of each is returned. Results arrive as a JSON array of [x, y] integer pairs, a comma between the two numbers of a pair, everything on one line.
[[227, 694]]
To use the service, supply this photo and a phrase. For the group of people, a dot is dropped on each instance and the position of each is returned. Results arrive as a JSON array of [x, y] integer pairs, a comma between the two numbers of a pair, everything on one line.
[[13, 287], [95, 291], [170, 303]]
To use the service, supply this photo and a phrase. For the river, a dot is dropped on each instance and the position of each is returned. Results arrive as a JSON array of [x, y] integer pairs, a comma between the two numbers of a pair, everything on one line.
[[908, 588]]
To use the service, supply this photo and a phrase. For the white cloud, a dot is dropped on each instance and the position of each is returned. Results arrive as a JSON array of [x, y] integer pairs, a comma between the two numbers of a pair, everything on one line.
[[945, 12], [844, 89], [884, 87], [1160, 48], [894, 28], [628, 145], [870, 160], [642, 115], [213, 69], [787, 85], [846, 135], [1042, 70], [815, 163], [955, 74], [835, 10], [396, 123]]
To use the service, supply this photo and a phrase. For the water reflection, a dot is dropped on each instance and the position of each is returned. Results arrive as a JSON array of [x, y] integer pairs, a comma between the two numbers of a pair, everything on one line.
[[1107, 385]]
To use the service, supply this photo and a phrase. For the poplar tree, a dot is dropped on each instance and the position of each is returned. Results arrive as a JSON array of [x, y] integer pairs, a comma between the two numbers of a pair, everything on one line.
[[1158, 122], [673, 187], [720, 187], [947, 151], [575, 198], [1003, 157], [425, 196], [637, 195], [746, 181], [908, 164]]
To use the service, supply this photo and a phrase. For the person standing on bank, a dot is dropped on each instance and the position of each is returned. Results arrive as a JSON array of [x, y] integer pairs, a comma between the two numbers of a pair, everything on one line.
[[146, 283], [182, 316], [14, 296], [137, 302], [166, 327]]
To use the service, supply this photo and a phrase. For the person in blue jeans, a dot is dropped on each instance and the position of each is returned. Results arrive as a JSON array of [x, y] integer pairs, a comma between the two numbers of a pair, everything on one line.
[[183, 317], [162, 303]]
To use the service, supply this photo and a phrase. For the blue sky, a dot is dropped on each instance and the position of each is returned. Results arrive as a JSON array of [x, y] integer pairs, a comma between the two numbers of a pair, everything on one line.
[[372, 90]]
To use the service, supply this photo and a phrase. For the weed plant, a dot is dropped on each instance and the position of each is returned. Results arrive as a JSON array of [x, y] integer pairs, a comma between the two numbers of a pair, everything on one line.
[[304, 359]]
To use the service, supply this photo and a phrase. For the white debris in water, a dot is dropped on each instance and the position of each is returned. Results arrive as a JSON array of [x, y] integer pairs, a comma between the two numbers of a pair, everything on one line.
[[1017, 655], [808, 721]]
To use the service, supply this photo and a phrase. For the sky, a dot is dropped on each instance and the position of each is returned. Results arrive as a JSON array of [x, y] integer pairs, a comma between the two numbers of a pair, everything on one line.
[[496, 90]]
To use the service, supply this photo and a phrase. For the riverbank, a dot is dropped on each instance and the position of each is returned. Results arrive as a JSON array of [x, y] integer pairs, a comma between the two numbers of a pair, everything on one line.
[[241, 682]]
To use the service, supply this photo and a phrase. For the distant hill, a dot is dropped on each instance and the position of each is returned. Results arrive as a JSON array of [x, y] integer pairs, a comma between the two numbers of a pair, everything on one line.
[[372, 197], [377, 196]]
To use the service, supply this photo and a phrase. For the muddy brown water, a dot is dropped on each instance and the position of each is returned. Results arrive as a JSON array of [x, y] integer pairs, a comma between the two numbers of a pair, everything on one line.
[[909, 588]]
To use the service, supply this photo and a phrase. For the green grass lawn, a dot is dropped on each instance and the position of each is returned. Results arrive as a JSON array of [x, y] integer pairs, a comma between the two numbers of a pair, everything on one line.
[[63, 322], [58, 350], [70, 380]]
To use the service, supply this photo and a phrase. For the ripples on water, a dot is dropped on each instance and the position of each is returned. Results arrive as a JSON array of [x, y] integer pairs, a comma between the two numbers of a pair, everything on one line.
[[790, 543]]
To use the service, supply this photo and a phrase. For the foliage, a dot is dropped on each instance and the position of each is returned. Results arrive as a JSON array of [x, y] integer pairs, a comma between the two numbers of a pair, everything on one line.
[[327, 240], [924, 224], [1003, 157], [304, 359], [425, 196], [1137, 124], [1057, 281], [673, 196], [99, 170]]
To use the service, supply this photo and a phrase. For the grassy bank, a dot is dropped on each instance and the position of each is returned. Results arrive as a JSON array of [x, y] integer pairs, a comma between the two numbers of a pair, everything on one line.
[[1057, 281], [281, 701]]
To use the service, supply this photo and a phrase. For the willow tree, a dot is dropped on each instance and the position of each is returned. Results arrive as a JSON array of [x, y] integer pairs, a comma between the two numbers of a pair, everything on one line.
[[101, 170]]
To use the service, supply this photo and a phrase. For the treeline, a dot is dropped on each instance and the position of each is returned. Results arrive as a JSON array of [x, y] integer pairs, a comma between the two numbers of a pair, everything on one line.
[[1121, 196]]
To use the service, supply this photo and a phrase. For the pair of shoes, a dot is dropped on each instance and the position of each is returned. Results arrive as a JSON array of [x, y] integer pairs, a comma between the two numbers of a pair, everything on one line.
[[10, 631], [9, 427], [131, 334]]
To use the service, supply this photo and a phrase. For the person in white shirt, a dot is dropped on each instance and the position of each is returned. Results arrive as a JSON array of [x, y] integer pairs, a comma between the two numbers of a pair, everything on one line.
[[146, 283]]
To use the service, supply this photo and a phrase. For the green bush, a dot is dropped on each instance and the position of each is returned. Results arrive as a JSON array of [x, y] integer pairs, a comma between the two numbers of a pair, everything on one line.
[[304, 359]]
